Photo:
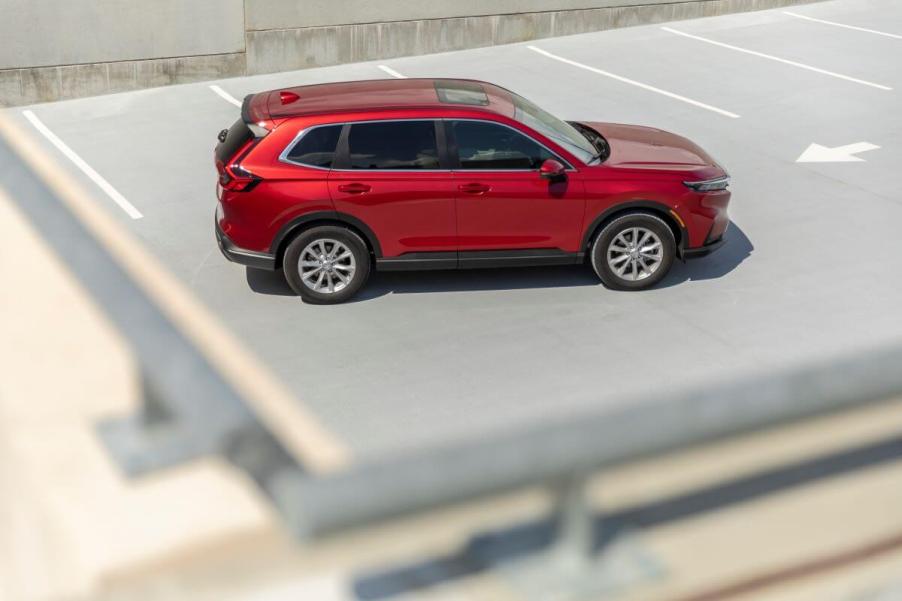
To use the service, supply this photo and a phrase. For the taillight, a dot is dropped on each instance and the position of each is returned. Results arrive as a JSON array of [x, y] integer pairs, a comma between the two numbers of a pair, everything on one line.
[[234, 177]]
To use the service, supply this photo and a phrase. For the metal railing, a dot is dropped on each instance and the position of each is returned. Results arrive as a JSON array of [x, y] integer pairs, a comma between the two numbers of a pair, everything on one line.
[[568, 448]]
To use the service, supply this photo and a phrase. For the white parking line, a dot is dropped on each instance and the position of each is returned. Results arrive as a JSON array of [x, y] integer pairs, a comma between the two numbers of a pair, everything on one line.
[[98, 179], [835, 24], [778, 59], [635, 83], [225, 95], [392, 72]]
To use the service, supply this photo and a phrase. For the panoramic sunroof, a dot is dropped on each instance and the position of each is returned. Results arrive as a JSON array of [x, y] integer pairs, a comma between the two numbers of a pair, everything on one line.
[[461, 92]]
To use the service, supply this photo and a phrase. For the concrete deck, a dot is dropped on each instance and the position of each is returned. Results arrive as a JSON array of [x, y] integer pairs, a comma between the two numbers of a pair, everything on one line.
[[809, 271]]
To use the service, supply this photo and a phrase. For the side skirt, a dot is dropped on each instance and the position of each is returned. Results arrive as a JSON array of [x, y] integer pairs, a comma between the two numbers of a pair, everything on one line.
[[477, 259], [418, 261]]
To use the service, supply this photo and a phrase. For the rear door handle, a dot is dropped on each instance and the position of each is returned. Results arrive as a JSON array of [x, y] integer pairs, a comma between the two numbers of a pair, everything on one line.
[[354, 188], [474, 188]]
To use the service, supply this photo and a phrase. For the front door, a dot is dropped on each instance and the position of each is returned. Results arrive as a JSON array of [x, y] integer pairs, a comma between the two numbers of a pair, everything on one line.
[[502, 202]]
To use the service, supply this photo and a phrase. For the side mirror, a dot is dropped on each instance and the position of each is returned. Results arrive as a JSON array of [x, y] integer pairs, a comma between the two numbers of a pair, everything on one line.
[[553, 170]]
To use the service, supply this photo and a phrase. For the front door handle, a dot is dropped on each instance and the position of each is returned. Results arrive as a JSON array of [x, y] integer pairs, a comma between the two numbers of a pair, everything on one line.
[[474, 188], [355, 188]]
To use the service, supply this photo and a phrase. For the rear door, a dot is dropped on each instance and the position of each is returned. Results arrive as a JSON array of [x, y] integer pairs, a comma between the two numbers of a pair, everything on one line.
[[392, 176], [502, 203]]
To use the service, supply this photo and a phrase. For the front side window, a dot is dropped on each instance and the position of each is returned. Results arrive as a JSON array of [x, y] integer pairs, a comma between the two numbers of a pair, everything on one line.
[[484, 145], [548, 125], [316, 147], [393, 145]]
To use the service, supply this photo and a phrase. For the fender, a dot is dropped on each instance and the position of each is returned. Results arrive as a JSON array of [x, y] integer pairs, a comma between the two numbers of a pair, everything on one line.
[[635, 204], [286, 230]]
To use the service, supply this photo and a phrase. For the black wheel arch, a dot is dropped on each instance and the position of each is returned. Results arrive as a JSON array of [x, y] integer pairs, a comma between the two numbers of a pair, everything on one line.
[[291, 229], [649, 206]]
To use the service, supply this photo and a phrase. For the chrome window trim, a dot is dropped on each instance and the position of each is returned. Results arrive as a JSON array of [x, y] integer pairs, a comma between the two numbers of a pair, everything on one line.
[[283, 157]]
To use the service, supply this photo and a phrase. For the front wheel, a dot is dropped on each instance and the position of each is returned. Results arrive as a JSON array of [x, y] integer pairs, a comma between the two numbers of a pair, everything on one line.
[[633, 252], [326, 264]]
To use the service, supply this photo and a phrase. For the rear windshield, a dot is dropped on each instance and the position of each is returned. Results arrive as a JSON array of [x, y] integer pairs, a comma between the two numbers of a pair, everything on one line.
[[238, 136]]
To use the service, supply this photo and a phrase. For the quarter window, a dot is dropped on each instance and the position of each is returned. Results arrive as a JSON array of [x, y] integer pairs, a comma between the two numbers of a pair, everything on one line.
[[483, 145], [316, 147], [393, 145]]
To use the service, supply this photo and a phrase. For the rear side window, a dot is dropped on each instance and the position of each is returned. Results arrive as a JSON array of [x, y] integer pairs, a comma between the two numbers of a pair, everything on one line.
[[237, 136], [393, 145], [484, 145], [316, 147]]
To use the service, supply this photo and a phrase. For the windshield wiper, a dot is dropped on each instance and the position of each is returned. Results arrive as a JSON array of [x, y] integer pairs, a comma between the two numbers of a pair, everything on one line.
[[604, 149], [595, 139]]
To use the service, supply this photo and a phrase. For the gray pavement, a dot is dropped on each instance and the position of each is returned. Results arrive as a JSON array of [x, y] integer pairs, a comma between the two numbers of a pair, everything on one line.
[[813, 267]]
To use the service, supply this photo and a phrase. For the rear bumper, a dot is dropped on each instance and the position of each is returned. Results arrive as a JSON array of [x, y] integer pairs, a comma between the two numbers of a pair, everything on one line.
[[236, 254], [701, 251]]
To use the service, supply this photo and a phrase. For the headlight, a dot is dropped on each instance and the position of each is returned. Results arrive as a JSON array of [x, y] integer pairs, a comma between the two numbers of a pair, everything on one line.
[[709, 185]]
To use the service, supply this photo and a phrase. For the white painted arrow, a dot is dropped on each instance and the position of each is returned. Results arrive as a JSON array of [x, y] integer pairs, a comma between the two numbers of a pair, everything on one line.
[[841, 154]]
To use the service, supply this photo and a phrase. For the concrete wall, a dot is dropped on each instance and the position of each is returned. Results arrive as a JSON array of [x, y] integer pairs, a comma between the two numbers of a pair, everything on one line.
[[287, 14], [298, 46], [55, 49], [40, 33]]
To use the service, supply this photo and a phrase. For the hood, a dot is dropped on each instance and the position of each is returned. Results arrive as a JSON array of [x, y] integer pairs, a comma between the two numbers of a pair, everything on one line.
[[638, 147]]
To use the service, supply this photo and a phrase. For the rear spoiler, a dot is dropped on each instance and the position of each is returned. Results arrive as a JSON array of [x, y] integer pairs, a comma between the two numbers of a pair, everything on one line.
[[246, 108], [255, 114]]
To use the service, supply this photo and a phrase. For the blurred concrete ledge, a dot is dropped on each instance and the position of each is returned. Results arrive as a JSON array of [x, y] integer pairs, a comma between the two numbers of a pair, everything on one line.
[[280, 37], [69, 520]]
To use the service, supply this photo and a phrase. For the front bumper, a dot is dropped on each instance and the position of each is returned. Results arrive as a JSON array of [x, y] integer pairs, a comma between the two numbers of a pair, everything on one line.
[[701, 251], [236, 254]]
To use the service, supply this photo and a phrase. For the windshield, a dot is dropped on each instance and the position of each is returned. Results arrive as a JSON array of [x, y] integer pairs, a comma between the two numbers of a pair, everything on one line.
[[550, 126]]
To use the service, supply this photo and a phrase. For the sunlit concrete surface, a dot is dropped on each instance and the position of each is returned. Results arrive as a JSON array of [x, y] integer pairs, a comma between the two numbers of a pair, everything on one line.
[[810, 270]]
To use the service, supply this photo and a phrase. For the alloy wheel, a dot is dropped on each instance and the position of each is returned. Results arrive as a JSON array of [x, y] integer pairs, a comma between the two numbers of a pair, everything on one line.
[[326, 266], [635, 253]]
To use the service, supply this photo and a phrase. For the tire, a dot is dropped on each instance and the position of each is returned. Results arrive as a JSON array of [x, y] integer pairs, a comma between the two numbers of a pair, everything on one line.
[[330, 253], [623, 265]]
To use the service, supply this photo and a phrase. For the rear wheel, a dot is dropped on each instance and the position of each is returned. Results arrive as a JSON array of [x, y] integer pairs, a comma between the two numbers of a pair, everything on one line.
[[633, 252], [326, 264]]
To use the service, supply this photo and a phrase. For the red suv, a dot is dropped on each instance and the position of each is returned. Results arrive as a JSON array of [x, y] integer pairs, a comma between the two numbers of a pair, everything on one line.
[[329, 181]]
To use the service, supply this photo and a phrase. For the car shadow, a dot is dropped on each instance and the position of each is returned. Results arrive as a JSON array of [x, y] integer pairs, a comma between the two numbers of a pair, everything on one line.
[[268, 282], [396, 282], [478, 280], [731, 255], [716, 265]]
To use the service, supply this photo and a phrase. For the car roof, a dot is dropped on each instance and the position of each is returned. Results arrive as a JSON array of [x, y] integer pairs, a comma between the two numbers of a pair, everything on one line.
[[385, 94]]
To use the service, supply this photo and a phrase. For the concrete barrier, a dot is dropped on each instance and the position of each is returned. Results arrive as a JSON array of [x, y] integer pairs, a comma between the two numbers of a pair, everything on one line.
[[288, 14], [53, 51], [41, 33]]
